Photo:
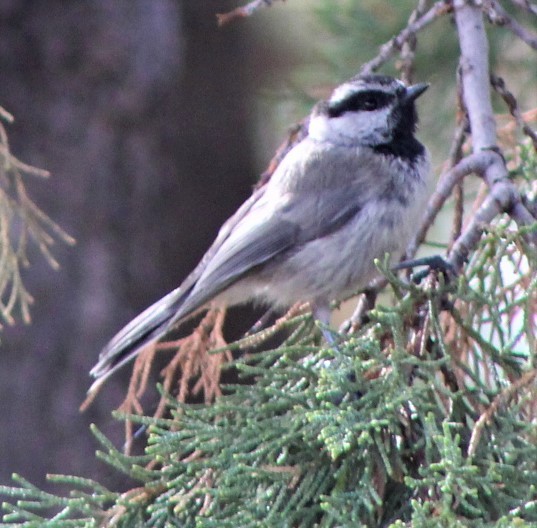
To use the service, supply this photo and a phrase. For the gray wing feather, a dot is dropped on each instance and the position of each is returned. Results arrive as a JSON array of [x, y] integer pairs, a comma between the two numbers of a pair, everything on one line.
[[143, 329], [259, 231], [253, 243], [154, 321]]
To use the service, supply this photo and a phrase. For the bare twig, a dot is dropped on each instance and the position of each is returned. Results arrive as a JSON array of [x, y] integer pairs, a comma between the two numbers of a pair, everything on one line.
[[501, 399], [469, 239], [365, 303], [397, 42], [242, 12], [475, 163], [455, 156], [408, 50], [499, 85], [526, 5], [13, 162], [5, 115], [497, 15], [296, 134]]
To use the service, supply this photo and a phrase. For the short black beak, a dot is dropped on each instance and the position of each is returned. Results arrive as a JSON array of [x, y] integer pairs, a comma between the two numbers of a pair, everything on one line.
[[414, 91]]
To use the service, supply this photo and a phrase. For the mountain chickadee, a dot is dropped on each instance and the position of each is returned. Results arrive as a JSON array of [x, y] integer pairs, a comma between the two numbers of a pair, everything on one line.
[[351, 191]]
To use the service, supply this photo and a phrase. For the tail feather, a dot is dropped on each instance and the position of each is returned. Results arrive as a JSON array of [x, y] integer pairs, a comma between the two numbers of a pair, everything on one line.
[[146, 328]]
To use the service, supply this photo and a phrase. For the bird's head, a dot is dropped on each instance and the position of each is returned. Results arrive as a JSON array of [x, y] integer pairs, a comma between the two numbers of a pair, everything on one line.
[[370, 110]]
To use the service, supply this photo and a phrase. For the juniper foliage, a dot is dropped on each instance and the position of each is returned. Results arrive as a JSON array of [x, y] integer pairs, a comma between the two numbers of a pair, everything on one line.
[[385, 430], [22, 222], [424, 417]]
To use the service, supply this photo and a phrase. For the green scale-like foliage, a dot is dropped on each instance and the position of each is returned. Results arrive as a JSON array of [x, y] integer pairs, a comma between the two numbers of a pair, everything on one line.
[[423, 418], [382, 430]]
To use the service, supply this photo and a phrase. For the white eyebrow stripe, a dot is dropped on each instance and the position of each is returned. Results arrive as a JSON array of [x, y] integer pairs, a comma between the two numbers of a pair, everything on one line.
[[345, 90]]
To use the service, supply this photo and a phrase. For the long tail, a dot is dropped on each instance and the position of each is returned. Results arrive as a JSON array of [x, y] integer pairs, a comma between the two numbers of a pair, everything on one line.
[[159, 318], [146, 328]]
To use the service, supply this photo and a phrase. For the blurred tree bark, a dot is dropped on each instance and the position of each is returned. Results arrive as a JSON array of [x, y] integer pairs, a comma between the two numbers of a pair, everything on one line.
[[141, 112]]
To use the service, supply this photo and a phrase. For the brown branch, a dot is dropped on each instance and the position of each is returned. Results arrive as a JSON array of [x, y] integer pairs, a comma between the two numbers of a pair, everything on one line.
[[497, 15], [397, 42], [408, 50], [455, 156], [242, 12], [137, 386], [501, 399], [456, 227], [526, 5], [499, 85], [366, 302], [193, 360], [294, 136]]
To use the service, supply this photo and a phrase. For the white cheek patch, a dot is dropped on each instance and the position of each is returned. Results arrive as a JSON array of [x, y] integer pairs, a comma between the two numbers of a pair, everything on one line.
[[318, 128], [352, 128], [352, 125]]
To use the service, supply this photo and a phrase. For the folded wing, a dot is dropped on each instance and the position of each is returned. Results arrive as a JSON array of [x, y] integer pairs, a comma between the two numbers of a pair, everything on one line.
[[260, 230]]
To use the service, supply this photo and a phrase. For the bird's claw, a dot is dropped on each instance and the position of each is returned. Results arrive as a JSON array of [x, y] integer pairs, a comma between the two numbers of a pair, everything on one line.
[[434, 262]]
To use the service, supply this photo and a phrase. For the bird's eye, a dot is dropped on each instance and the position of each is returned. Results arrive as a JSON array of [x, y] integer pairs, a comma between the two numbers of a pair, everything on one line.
[[370, 103], [362, 101]]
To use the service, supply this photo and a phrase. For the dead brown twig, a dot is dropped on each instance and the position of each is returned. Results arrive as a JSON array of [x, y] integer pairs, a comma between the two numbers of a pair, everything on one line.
[[497, 15], [501, 399], [526, 5], [193, 369], [408, 49], [242, 12], [510, 100]]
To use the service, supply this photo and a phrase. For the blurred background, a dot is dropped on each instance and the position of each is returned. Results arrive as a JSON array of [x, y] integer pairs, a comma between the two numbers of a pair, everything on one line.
[[155, 124]]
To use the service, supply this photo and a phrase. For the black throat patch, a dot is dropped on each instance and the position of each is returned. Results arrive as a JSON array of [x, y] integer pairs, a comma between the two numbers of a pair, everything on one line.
[[404, 144]]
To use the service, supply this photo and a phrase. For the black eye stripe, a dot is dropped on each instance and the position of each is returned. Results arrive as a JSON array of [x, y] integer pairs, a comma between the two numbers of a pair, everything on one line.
[[367, 100]]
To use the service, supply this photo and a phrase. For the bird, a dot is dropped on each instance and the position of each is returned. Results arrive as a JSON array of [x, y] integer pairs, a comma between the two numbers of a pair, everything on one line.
[[350, 191]]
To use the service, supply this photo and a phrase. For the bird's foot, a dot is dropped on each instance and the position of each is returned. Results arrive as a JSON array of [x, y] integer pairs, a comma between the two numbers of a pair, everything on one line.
[[321, 314], [434, 262], [330, 337], [261, 323]]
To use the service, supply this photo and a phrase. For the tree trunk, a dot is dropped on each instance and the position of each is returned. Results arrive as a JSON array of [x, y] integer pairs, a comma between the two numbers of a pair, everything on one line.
[[141, 112]]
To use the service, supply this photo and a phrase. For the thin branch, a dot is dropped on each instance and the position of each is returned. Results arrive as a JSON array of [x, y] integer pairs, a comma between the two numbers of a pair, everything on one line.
[[526, 5], [408, 50], [4, 114], [13, 162], [294, 136], [503, 198], [242, 12], [501, 399], [455, 156], [397, 42], [499, 85], [497, 15], [469, 239], [475, 163]]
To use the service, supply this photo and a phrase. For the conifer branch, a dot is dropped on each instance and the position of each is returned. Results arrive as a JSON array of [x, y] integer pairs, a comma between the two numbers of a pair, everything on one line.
[[424, 414]]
